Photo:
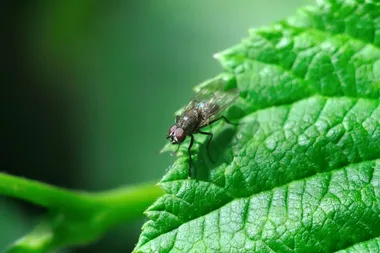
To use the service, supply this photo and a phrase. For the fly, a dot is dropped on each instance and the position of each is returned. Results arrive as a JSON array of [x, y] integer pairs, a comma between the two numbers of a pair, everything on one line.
[[203, 110]]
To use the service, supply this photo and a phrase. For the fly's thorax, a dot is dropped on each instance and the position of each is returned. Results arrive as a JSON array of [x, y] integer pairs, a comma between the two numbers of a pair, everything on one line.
[[189, 121]]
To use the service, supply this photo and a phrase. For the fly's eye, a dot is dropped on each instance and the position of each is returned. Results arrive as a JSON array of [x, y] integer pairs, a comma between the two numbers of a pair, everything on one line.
[[172, 129], [180, 135]]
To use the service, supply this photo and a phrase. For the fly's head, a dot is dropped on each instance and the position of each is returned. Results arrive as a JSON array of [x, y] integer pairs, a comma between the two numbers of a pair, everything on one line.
[[176, 134]]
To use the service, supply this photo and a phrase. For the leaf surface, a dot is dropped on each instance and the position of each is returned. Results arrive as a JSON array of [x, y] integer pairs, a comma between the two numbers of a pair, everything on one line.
[[301, 171]]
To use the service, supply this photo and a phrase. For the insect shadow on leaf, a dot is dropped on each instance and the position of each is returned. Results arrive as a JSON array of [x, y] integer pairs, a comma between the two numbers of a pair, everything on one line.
[[213, 156]]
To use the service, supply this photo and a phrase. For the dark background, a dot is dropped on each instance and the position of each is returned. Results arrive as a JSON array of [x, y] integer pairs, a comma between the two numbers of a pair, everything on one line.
[[90, 89]]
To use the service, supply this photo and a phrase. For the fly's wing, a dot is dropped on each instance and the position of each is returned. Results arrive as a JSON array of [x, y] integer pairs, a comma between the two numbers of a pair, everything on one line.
[[211, 103]]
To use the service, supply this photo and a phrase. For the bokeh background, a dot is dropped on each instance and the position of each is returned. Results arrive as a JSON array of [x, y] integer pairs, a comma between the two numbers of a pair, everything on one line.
[[90, 88]]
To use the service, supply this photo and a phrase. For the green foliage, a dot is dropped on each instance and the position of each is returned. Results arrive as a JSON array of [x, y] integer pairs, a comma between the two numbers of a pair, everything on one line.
[[301, 172], [74, 217]]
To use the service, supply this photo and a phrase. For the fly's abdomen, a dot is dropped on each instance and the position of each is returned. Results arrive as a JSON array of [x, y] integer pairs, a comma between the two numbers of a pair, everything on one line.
[[190, 121]]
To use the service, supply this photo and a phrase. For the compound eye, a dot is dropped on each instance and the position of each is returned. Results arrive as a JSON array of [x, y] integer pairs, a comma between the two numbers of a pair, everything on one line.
[[180, 135], [172, 129]]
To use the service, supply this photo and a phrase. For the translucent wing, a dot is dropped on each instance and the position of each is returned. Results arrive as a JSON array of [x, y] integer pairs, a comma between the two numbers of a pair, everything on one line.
[[212, 102]]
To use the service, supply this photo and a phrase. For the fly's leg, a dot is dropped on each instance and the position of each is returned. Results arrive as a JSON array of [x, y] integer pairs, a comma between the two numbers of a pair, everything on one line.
[[221, 117], [189, 151], [211, 135], [208, 143]]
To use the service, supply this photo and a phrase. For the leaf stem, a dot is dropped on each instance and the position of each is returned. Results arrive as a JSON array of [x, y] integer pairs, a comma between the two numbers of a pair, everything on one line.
[[72, 213], [141, 196], [40, 193]]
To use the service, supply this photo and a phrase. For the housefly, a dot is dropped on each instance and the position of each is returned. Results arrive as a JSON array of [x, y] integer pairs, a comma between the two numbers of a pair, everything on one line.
[[202, 110]]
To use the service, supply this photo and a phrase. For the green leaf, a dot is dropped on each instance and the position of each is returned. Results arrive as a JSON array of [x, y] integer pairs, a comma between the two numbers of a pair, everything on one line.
[[301, 171], [367, 246]]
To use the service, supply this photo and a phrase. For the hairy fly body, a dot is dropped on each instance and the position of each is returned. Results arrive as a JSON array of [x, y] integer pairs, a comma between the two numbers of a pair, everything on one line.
[[203, 110]]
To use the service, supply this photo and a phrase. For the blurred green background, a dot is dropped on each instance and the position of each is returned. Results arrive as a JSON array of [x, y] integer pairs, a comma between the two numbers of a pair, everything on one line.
[[90, 90]]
